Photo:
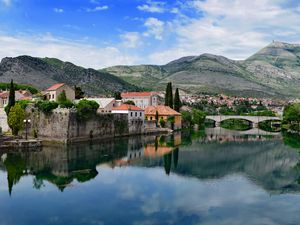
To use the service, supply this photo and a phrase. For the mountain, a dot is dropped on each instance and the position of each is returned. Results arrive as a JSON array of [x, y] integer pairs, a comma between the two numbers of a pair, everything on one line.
[[42, 73], [274, 71]]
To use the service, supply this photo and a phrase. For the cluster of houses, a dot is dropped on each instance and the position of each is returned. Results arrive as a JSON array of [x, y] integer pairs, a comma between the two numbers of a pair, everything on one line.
[[146, 106]]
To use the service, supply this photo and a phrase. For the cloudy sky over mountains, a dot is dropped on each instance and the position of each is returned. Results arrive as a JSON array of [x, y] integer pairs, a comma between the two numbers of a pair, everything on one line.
[[100, 33]]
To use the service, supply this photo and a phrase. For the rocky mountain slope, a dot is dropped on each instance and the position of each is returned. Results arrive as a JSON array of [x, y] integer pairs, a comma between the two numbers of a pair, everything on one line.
[[42, 73], [273, 71]]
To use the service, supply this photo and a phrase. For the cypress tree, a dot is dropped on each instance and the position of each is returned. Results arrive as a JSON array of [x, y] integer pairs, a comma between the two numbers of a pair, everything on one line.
[[171, 96], [11, 98], [167, 95], [177, 102]]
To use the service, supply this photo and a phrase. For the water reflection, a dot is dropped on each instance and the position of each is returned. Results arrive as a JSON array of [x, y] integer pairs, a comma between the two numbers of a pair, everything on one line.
[[184, 178], [269, 162]]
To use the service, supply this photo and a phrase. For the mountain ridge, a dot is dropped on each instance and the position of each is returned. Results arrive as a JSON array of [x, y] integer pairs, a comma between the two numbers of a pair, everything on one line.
[[274, 71], [44, 72]]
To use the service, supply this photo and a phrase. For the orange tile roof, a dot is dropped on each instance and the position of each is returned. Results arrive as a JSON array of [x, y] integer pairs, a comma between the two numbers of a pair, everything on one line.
[[162, 110], [137, 94], [55, 87], [128, 107]]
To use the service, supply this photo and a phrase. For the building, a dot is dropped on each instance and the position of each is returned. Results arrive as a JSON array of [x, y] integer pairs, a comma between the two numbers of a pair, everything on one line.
[[55, 90], [141, 99], [164, 113], [19, 95], [136, 116], [105, 104]]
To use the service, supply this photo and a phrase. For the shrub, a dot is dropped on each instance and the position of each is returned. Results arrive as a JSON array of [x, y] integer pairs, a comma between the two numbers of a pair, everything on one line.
[[15, 118], [23, 103], [86, 109], [46, 106], [162, 122], [66, 104]]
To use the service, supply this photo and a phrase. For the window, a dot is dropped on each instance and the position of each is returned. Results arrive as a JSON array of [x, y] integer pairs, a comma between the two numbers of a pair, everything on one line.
[[151, 118], [131, 114], [135, 114], [53, 96], [140, 113]]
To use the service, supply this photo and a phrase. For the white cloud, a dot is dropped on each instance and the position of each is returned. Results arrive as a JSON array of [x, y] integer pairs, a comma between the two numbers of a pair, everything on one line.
[[233, 28], [152, 6], [155, 27], [6, 2], [131, 39], [82, 54], [98, 8], [57, 10]]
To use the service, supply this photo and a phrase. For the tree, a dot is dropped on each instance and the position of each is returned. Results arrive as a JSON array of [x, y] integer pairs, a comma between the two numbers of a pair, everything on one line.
[[129, 102], [177, 102], [16, 118], [156, 118], [86, 109], [118, 96], [78, 93], [11, 98], [291, 114], [62, 97], [169, 95]]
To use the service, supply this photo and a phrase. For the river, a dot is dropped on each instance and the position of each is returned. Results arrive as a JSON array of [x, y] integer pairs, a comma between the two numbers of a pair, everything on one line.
[[213, 177]]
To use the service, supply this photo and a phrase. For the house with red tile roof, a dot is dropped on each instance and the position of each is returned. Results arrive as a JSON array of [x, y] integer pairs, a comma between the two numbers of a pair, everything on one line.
[[141, 99], [19, 95], [55, 90], [136, 116], [164, 113]]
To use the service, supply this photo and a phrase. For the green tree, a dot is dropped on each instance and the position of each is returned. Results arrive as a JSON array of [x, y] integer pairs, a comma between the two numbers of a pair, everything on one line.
[[16, 118], [129, 102], [118, 96], [177, 102], [187, 120], [11, 98], [291, 115], [86, 109], [198, 117], [156, 118], [169, 96], [78, 93], [62, 97]]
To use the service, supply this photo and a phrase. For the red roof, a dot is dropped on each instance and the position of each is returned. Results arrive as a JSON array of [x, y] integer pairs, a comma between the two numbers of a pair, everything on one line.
[[4, 94], [55, 87], [162, 111], [128, 107], [137, 94]]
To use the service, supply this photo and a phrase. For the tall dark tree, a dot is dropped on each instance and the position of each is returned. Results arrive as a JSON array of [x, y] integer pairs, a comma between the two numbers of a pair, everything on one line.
[[11, 98], [169, 95], [78, 93], [118, 96], [177, 102]]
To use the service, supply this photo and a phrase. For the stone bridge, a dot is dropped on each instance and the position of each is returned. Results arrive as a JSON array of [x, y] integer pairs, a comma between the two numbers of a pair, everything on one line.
[[254, 120]]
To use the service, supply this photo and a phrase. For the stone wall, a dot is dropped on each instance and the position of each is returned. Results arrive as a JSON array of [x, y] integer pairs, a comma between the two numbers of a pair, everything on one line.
[[3, 121], [62, 125]]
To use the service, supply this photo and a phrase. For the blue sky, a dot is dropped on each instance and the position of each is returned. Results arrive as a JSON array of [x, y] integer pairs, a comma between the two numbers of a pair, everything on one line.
[[100, 33]]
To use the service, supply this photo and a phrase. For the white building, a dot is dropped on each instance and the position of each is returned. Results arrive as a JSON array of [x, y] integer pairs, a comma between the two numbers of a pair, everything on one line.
[[105, 104], [141, 99], [136, 116], [55, 90]]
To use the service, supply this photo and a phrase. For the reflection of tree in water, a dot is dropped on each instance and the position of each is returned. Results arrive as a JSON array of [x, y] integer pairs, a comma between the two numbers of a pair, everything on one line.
[[168, 162], [61, 165], [16, 168], [293, 140]]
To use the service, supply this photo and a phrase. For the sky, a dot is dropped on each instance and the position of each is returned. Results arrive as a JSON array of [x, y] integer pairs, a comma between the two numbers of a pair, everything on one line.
[[102, 33]]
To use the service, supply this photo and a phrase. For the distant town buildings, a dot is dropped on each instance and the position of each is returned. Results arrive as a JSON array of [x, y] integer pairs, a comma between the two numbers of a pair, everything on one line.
[[141, 99]]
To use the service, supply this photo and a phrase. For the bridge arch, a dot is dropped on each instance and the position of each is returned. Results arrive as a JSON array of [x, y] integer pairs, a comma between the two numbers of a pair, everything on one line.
[[253, 119]]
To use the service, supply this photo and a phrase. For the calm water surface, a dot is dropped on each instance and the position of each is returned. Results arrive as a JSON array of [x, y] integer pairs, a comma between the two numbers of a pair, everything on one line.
[[187, 178]]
